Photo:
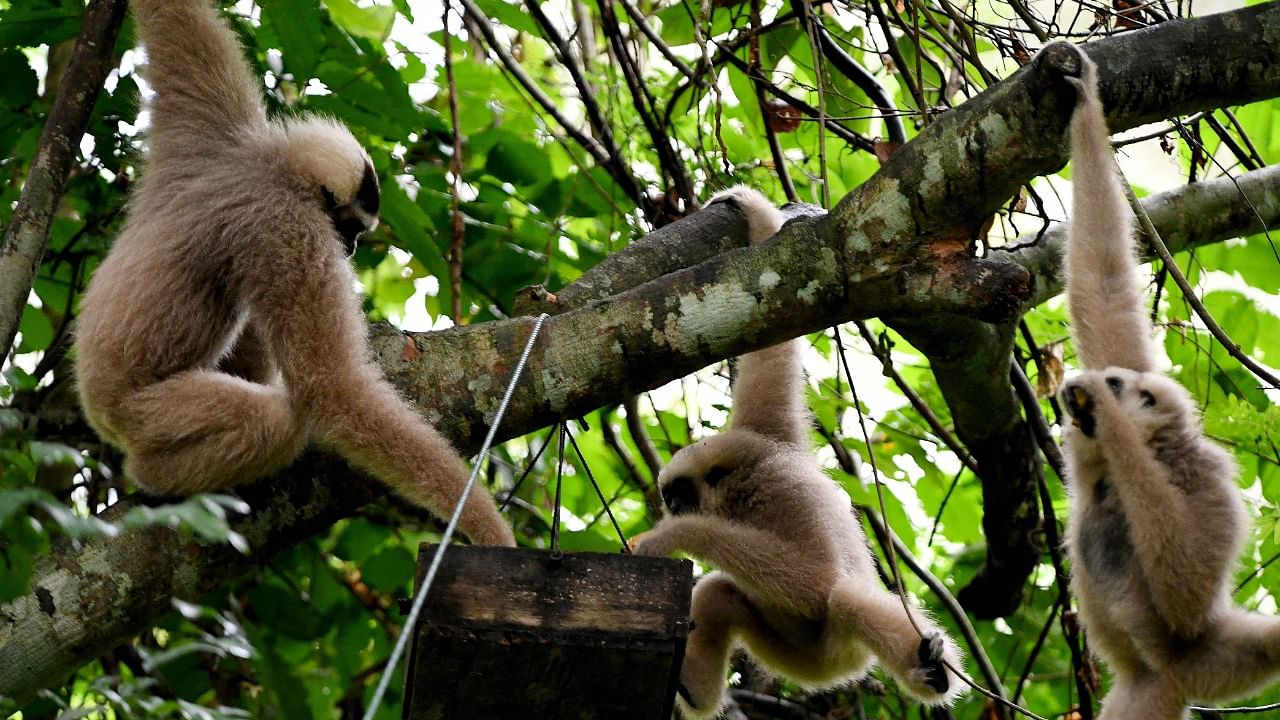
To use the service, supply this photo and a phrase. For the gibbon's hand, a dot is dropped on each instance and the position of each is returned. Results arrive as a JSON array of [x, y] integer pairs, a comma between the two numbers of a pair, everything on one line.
[[651, 542]]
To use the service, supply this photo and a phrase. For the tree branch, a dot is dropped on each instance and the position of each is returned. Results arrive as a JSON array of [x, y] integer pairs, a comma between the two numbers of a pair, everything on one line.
[[28, 231]]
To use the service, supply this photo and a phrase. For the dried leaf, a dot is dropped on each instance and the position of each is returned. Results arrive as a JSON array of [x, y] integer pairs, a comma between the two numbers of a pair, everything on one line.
[[781, 117], [410, 353], [883, 149], [1051, 370]]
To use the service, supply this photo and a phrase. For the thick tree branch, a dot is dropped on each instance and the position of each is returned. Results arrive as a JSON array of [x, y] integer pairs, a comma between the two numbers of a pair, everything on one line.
[[28, 232], [871, 257]]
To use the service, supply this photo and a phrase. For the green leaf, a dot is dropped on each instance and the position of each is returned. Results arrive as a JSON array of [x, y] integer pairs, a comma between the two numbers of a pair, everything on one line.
[[39, 22], [37, 331], [513, 16], [297, 24], [359, 539], [390, 570], [19, 87], [373, 22], [517, 161]]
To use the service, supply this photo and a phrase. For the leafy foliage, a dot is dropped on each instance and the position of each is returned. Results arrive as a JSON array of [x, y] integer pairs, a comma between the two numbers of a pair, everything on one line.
[[307, 635]]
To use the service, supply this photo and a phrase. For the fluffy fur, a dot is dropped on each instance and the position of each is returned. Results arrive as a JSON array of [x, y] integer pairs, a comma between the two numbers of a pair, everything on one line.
[[796, 584], [1156, 520], [223, 331]]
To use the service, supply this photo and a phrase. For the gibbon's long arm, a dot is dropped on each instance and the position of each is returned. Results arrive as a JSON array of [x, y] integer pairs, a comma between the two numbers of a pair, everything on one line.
[[203, 103], [771, 563], [312, 311], [768, 393], [1108, 317]]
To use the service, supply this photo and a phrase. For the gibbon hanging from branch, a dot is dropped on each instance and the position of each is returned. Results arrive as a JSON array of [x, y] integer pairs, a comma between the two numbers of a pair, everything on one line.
[[1156, 520], [223, 332], [796, 584]]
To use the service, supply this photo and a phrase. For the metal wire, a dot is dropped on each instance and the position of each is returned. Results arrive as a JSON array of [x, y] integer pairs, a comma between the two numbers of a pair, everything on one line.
[[421, 597]]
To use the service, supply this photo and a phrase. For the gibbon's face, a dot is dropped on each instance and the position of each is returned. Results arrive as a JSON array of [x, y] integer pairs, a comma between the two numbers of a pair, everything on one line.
[[357, 214], [700, 477], [1152, 400]]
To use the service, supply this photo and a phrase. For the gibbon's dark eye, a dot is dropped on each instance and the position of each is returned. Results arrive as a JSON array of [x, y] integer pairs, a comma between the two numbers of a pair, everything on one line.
[[368, 196], [715, 475], [680, 496], [1148, 400], [1116, 385], [330, 202]]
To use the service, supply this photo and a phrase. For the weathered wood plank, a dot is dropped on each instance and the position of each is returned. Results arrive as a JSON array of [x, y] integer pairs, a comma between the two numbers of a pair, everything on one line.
[[515, 633]]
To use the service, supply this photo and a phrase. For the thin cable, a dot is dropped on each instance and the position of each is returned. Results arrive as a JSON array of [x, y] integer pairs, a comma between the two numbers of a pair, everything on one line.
[[608, 511], [1237, 710], [555, 513], [449, 529], [996, 694], [511, 494]]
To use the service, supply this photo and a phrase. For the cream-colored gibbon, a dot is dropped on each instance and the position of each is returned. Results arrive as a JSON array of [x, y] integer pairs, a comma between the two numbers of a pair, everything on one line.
[[795, 584], [1156, 520], [223, 331]]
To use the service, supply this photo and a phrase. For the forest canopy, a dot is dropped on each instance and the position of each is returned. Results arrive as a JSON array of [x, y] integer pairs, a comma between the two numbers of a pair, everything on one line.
[[552, 157]]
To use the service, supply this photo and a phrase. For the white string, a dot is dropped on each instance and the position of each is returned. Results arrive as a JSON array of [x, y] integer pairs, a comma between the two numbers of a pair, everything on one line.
[[419, 600]]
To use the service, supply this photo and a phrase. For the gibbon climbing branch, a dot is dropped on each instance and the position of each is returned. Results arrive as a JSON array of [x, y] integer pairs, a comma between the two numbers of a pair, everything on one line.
[[899, 245]]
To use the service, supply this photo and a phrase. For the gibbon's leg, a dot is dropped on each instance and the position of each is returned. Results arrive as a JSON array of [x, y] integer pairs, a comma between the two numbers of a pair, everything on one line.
[[914, 660], [750, 554], [223, 100], [1101, 270], [205, 430], [1239, 656], [721, 613], [1142, 699], [1160, 516], [313, 319]]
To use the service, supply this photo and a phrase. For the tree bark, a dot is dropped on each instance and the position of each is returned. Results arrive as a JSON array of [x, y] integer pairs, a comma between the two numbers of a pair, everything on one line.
[[900, 245]]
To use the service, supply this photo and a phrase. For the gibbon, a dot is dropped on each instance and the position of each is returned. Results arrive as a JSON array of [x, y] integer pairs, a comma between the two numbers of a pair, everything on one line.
[[223, 331], [1156, 520], [796, 584]]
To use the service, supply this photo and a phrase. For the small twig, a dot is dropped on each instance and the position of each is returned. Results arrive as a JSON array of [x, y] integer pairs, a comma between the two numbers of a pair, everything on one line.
[[640, 436], [638, 20], [1188, 293], [652, 500], [921, 407], [458, 227], [605, 155]]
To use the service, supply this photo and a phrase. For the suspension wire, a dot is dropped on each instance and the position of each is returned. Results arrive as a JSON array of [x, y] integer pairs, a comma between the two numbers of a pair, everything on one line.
[[1236, 710], [511, 494], [555, 513], [997, 694], [421, 597], [609, 511]]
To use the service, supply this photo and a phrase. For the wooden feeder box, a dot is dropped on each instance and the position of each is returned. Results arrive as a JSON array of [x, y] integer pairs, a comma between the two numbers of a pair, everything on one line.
[[514, 633]]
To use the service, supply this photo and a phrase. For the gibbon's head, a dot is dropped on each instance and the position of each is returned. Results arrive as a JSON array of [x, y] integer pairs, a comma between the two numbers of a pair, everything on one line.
[[325, 154], [711, 476], [1155, 402]]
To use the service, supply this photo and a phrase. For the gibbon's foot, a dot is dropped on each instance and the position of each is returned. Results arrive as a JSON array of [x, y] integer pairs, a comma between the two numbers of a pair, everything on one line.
[[932, 672], [1080, 406]]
